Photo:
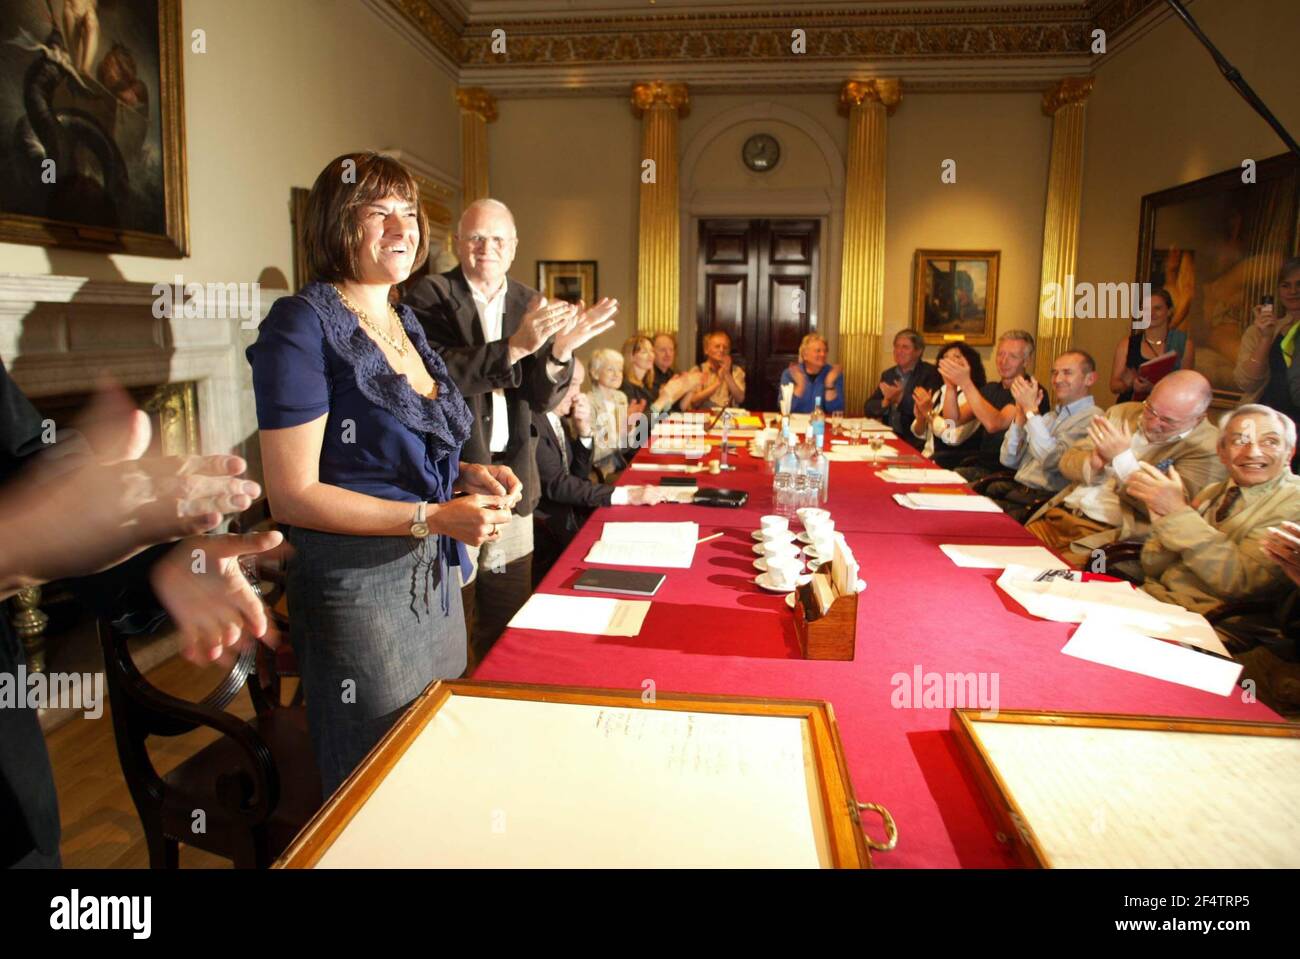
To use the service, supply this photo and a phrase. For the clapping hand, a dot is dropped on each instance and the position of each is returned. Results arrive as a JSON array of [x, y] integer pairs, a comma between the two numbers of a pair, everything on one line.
[[543, 319], [581, 414], [890, 392], [1284, 546], [586, 323], [1027, 394], [1160, 494], [955, 370], [1109, 440], [923, 402], [834, 375]]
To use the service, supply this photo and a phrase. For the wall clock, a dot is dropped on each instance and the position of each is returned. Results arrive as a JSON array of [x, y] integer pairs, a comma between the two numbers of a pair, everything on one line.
[[761, 152]]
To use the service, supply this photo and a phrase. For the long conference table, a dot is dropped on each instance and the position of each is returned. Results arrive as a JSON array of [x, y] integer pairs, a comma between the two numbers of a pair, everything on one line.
[[711, 630]]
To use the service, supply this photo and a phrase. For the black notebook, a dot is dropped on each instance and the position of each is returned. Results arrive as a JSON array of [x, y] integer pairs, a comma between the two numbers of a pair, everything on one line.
[[620, 581]]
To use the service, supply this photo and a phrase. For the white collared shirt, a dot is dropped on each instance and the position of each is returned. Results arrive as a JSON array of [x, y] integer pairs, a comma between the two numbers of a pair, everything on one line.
[[491, 310]]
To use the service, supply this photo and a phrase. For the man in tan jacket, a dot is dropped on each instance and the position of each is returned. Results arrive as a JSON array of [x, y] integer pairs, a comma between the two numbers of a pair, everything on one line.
[[1211, 550], [1168, 430]]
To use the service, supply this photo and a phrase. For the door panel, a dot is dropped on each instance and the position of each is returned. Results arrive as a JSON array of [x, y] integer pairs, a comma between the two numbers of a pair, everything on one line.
[[758, 281]]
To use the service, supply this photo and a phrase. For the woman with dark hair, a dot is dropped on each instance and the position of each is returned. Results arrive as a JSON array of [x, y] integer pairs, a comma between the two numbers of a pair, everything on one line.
[[1266, 369], [361, 429], [1126, 382], [948, 441]]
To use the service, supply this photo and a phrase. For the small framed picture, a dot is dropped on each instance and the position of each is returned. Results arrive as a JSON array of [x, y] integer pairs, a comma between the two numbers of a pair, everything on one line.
[[955, 295], [568, 280]]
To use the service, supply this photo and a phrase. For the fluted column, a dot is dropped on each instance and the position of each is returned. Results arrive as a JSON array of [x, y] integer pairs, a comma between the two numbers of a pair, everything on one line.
[[659, 105], [1065, 103], [868, 104], [478, 108]]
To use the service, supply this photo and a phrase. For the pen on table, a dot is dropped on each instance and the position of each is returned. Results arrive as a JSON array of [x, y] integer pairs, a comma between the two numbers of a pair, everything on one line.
[[705, 539]]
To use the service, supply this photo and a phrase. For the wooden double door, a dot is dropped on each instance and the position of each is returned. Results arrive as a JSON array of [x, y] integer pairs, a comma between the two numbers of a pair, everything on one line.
[[758, 281]]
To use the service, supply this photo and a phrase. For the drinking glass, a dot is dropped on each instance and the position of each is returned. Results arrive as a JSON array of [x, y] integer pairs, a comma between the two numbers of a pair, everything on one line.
[[837, 421], [876, 441]]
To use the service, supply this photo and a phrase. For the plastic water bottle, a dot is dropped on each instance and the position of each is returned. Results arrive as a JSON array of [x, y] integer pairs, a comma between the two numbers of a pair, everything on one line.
[[820, 467], [817, 424]]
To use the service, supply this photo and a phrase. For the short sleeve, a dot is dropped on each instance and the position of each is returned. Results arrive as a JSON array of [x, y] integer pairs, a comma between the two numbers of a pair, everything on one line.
[[290, 382]]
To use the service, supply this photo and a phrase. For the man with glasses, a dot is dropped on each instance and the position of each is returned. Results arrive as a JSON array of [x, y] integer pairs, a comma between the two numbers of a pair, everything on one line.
[[510, 352], [1168, 431]]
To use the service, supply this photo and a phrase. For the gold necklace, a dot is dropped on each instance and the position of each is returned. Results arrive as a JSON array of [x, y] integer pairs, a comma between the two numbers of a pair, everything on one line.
[[400, 342]]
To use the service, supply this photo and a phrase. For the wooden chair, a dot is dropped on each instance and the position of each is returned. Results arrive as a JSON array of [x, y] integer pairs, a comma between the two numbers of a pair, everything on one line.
[[256, 786]]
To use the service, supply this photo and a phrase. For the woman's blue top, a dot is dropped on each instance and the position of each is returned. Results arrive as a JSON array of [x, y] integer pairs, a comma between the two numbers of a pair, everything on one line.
[[382, 438], [807, 402]]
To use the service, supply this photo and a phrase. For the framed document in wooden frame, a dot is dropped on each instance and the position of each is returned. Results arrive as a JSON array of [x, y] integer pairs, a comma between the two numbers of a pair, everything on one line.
[[1110, 790], [513, 775], [568, 280]]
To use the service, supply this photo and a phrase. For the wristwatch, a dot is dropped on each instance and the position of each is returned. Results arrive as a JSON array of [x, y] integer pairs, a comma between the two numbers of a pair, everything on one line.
[[1030, 414], [419, 528]]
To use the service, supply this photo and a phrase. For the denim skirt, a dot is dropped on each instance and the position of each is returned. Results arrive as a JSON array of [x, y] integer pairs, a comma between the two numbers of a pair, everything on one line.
[[368, 637]]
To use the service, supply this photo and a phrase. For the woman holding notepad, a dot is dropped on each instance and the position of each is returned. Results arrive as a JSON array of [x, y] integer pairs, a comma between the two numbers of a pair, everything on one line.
[[1144, 356]]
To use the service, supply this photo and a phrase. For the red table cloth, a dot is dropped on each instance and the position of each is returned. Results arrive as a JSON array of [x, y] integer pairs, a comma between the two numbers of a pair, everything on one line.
[[710, 629]]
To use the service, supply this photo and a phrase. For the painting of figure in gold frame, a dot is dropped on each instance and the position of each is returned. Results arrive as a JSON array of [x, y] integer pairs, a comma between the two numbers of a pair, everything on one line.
[[568, 280], [955, 295], [92, 126]]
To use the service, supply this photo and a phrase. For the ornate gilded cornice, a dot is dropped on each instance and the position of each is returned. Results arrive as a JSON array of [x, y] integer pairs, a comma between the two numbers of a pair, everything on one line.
[[878, 90], [1070, 90], [1114, 16], [434, 24], [478, 101], [672, 95]]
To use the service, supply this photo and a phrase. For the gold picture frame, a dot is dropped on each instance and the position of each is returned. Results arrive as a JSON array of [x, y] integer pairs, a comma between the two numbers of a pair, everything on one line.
[[123, 108], [955, 295], [568, 280]]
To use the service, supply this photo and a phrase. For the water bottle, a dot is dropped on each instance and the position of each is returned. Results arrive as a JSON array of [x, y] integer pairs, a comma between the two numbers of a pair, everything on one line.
[[783, 480], [820, 467], [817, 424]]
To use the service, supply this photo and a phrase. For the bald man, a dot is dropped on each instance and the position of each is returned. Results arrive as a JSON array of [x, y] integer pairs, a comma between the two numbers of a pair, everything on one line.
[[510, 352], [1168, 429]]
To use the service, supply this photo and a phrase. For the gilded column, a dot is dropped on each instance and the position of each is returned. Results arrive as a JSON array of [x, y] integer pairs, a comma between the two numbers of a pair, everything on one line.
[[1065, 103], [659, 105], [868, 104], [478, 108]]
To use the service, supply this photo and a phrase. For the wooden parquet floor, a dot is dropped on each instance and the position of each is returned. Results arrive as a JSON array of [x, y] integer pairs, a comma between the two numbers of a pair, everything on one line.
[[100, 827]]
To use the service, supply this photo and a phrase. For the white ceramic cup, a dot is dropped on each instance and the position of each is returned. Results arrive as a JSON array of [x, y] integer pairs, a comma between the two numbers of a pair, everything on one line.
[[819, 528], [783, 574], [812, 514], [777, 549], [773, 524]]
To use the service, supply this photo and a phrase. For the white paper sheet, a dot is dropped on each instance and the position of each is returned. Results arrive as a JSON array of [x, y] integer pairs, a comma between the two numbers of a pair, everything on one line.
[[657, 555], [1111, 642], [900, 474], [669, 533], [950, 502], [589, 615], [859, 454], [1000, 557], [1063, 601]]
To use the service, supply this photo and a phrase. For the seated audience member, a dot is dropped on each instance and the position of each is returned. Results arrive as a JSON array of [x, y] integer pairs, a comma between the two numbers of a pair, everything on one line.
[[1210, 550], [1275, 666], [564, 467], [892, 401], [723, 382], [944, 421], [665, 347], [643, 398], [992, 404], [1266, 369], [609, 408], [813, 377], [1169, 429], [1147, 344], [1033, 445]]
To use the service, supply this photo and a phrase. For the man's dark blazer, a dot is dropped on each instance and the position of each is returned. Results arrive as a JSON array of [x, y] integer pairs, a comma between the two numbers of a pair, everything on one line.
[[445, 308], [568, 496], [925, 375]]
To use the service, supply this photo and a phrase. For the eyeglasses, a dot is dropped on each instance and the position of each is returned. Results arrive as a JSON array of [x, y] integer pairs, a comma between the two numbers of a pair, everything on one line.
[[1271, 443], [1162, 420], [495, 242]]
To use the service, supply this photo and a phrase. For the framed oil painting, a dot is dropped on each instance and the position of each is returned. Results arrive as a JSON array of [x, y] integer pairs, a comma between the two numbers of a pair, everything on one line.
[[1216, 245], [92, 126], [568, 280], [955, 295]]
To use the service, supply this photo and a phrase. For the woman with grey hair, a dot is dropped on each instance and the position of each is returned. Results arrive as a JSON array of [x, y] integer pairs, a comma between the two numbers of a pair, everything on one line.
[[609, 406]]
